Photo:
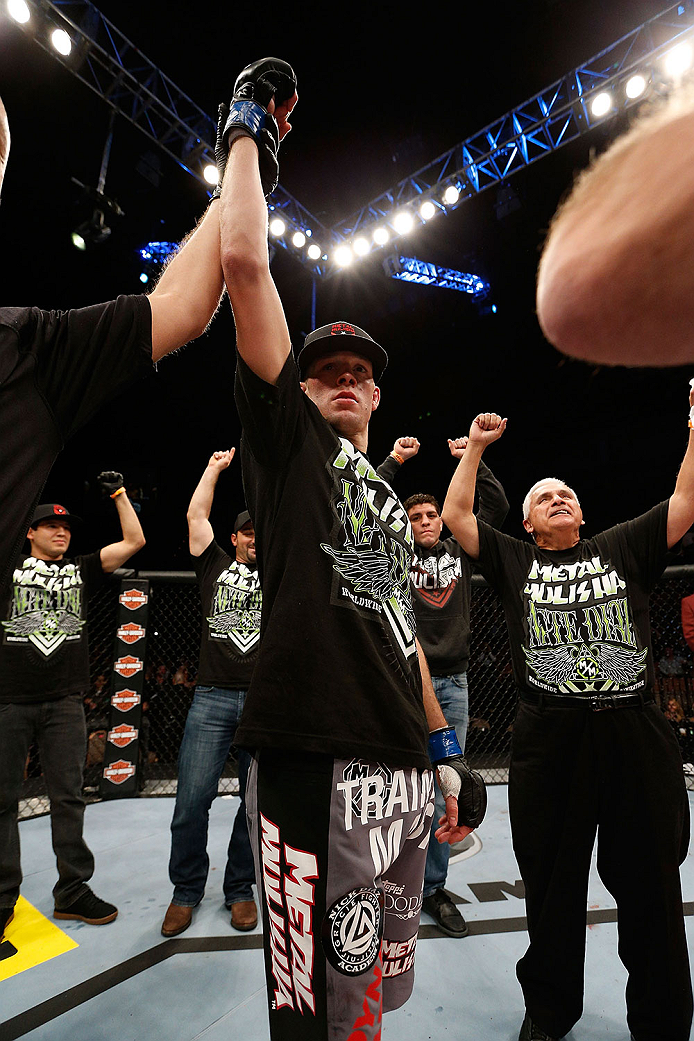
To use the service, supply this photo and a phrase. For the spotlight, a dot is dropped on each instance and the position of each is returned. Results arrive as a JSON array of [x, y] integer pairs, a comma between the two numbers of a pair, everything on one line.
[[211, 174], [451, 195], [18, 10], [298, 239], [361, 246], [601, 104], [403, 222], [314, 251], [381, 236], [91, 232], [343, 256], [427, 210], [635, 86], [144, 278], [277, 227], [61, 41], [678, 60]]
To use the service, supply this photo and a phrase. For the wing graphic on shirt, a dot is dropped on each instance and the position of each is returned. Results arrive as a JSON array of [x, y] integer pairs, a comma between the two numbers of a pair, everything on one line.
[[374, 572], [619, 663], [232, 621], [24, 624], [555, 665], [68, 623]]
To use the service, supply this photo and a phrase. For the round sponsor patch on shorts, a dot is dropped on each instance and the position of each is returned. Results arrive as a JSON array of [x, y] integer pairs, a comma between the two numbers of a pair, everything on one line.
[[352, 930]]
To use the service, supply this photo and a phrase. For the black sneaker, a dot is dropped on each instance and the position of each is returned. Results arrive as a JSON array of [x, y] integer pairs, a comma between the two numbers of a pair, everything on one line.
[[6, 916], [446, 915], [87, 908], [531, 1032]]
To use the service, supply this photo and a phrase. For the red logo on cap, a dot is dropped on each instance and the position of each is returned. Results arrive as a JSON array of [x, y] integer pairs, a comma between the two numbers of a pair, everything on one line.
[[341, 327], [59, 509]]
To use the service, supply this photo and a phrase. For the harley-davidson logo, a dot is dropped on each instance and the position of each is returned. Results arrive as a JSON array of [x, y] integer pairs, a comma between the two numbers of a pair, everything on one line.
[[127, 666], [122, 735], [132, 599], [131, 632], [124, 700], [119, 771]]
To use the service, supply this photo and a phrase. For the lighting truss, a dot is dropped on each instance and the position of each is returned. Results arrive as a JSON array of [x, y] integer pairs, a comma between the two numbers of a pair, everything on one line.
[[539, 126], [409, 269], [113, 67]]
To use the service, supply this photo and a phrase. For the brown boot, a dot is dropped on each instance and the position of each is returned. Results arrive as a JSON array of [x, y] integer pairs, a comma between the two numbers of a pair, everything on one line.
[[244, 915], [176, 920]]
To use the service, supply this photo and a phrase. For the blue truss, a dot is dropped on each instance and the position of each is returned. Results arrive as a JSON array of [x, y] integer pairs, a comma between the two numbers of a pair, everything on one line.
[[409, 269], [113, 67]]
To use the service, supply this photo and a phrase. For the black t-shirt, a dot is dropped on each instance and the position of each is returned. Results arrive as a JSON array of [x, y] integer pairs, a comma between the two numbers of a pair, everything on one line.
[[440, 579], [578, 619], [56, 369], [231, 603], [44, 650], [337, 671]]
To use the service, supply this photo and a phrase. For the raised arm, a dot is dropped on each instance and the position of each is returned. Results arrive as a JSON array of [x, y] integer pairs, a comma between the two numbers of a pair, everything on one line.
[[680, 514], [4, 141], [458, 509], [615, 279], [200, 533], [262, 336], [187, 295], [404, 448], [115, 555]]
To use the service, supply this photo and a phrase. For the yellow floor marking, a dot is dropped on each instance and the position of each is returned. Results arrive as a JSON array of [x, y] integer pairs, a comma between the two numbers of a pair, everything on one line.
[[36, 938]]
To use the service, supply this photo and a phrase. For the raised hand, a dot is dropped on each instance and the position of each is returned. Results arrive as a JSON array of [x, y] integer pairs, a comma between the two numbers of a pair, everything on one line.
[[457, 446], [487, 427], [406, 447], [220, 460]]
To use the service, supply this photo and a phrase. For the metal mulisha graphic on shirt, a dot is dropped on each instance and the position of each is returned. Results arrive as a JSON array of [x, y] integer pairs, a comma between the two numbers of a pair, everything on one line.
[[374, 545], [435, 578], [236, 605], [46, 605], [580, 632]]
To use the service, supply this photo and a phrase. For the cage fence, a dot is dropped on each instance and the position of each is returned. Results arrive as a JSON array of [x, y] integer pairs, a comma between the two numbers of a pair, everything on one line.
[[172, 662]]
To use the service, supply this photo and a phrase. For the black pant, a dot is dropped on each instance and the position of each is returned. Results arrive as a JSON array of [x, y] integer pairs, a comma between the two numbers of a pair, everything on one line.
[[575, 772], [60, 731]]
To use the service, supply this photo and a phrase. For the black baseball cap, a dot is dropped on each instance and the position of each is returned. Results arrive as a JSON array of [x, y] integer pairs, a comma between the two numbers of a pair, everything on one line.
[[242, 518], [52, 511], [337, 336]]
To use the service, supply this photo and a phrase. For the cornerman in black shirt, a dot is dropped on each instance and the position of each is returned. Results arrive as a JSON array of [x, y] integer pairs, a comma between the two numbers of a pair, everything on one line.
[[440, 575], [340, 791], [44, 674], [592, 752], [58, 367], [231, 602]]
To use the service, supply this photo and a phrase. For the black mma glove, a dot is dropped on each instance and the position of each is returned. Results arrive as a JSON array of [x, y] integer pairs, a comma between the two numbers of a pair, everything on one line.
[[110, 481], [456, 778], [254, 89]]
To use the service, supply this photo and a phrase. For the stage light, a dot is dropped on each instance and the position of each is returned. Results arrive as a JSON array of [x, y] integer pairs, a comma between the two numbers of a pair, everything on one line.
[[314, 251], [343, 256], [601, 104], [451, 195], [91, 232], [635, 86], [211, 174], [678, 60], [298, 239], [403, 222], [144, 278], [277, 227], [427, 210], [381, 236], [361, 246], [18, 10], [61, 41]]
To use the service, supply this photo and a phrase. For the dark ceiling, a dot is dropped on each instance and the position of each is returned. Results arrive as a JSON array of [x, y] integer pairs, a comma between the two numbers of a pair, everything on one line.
[[382, 92]]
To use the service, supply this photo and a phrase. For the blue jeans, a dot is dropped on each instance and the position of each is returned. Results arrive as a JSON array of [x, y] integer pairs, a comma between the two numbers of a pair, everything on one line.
[[60, 731], [210, 727], [451, 692]]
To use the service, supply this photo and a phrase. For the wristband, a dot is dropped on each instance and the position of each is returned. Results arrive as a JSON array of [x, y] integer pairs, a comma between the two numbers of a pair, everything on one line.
[[398, 458], [443, 743], [115, 494]]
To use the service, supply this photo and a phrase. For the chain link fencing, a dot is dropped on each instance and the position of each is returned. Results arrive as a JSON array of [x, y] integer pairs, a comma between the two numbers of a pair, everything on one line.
[[172, 661]]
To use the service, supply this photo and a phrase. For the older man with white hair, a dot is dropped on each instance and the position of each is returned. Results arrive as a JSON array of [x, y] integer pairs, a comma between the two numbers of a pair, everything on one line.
[[592, 752]]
